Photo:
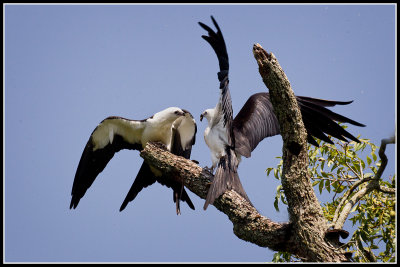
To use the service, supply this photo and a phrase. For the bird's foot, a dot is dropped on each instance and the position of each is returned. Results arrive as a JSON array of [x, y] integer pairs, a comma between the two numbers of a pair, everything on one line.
[[209, 169]]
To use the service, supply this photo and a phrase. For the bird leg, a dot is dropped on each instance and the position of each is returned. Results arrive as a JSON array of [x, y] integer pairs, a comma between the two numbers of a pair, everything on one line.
[[209, 169]]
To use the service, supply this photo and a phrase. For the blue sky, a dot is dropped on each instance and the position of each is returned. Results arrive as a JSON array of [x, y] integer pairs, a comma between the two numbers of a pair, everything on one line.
[[67, 67]]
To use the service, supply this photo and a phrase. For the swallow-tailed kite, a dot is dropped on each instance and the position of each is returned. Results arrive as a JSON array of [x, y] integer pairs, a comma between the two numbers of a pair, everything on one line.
[[229, 139], [174, 127]]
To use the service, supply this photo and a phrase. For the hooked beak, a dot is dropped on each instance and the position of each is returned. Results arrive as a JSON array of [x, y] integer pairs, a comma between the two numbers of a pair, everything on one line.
[[185, 112], [180, 114], [201, 117]]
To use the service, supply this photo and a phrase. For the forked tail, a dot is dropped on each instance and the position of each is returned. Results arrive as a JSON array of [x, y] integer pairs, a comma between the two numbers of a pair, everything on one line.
[[225, 178]]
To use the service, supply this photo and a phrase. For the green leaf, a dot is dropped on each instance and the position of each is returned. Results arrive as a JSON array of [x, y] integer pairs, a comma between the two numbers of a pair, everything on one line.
[[276, 173], [369, 160], [340, 189], [276, 202], [367, 175], [373, 246], [374, 156], [321, 186], [283, 199], [357, 146], [328, 185], [354, 208], [362, 164], [334, 166]]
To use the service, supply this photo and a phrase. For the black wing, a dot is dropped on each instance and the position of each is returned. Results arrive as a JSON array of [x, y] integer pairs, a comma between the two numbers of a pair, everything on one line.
[[184, 132], [217, 42], [144, 178], [319, 120], [224, 106], [109, 137], [257, 120], [226, 176], [254, 122]]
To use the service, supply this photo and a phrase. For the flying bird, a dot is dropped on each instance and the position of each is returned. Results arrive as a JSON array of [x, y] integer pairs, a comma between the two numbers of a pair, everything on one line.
[[228, 139], [173, 127]]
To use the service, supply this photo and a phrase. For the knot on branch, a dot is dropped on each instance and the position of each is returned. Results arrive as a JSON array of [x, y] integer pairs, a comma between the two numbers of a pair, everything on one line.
[[294, 148], [333, 236]]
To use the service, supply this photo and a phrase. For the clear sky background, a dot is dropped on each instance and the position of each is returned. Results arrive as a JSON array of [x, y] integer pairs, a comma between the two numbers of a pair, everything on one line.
[[67, 67]]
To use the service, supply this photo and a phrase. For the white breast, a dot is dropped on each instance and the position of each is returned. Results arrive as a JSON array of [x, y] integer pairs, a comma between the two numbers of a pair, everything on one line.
[[216, 141]]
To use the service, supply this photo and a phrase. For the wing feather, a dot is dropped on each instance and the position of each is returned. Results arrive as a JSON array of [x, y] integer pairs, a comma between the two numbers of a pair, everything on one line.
[[257, 120], [109, 137], [224, 107], [254, 122]]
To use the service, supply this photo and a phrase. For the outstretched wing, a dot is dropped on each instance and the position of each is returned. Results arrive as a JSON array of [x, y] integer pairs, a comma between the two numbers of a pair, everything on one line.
[[224, 107], [109, 137], [226, 176], [254, 122], [318, 120], [217, 42], [257, 120]]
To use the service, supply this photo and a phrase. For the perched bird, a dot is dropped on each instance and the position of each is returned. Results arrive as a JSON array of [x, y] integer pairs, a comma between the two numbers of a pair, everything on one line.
[[228, 139], [173, 127]]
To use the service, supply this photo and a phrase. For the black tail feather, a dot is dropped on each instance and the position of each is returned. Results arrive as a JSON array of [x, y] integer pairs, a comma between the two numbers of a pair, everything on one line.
[[225, 178]]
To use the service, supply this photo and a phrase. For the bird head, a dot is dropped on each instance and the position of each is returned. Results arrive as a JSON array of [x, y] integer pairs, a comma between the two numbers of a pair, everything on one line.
[[208, 114], [169, 114]]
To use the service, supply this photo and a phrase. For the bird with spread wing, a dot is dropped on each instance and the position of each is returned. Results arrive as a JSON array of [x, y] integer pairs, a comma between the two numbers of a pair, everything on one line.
[[230, 138], [173, 127]]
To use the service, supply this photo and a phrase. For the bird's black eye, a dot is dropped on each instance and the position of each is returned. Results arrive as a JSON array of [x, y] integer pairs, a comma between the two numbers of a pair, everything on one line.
[[177, 112]]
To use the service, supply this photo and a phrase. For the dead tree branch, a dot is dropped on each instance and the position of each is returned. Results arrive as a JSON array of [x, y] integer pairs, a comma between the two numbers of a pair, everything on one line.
[[248, 224], [305, 213]]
